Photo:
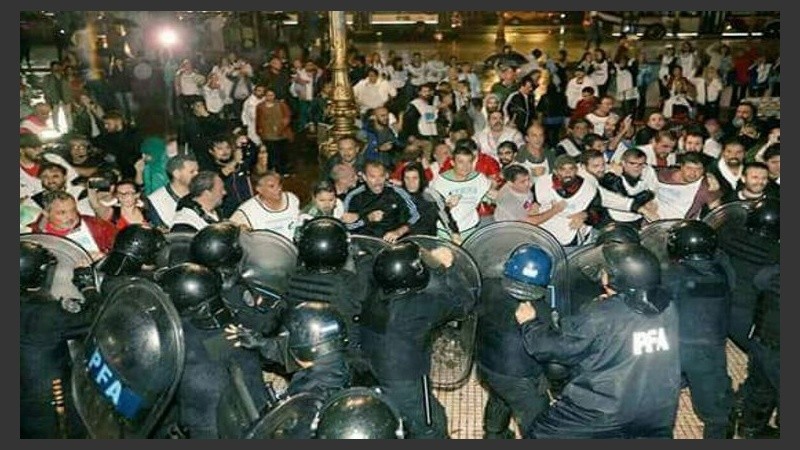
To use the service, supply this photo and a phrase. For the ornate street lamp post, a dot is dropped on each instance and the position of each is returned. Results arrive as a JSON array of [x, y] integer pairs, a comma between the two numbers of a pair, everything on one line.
[[500, 37], [344, 108]]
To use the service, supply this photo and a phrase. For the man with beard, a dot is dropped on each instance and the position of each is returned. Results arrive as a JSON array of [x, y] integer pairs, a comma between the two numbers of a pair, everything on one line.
[[685, 192], [377, 208], [234, 173], [490, 138], [572, 144], [419, 118], [637, 182], [121, 142], [694, 142], [507, 154], [660, 152], [249, 112], [772, 158], [200, 207], [752, 186], [570, 206], [349, 153], [82, 157], [746, 114], [728, 170], [383, 143], [271, 208], [655, 123], [162, 204]]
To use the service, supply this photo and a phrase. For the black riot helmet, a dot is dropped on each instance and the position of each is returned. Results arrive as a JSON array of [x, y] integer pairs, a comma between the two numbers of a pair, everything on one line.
[[358, 413], [635, 272], [315, 329], [691, 239], [765, 218], [195, 291], [217, 246], [36, 263], [622, 233], [322, 244], [134, 246], [399, 268]]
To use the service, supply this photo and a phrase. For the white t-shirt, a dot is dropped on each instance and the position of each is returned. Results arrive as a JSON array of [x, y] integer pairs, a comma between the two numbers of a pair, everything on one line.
[[257, 216], [471, 190]]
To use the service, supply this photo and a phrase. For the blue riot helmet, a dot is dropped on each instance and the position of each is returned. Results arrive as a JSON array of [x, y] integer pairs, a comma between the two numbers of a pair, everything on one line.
[[527, 272]]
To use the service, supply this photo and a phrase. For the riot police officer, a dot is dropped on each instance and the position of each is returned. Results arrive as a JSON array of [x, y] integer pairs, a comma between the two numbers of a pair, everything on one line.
[[420, 292], [217, 247], [701, 281], [327, 272], [621, 232], [315, 336], [45, 327], [761, 389], [750, 248], [513, 378], [135, 248], [358, 413], [625, 347], [195, 291]]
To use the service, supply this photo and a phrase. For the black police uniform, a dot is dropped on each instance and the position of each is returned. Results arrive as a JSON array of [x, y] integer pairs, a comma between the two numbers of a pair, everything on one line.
[[749, 252], [762, 387], [627, 371], [396, 337], [702, 291], [514, 379], [205, 377], [45, 328]]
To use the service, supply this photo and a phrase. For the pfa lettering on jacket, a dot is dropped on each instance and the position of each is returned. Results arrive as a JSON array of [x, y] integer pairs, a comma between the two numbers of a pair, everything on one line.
[[650, 341]]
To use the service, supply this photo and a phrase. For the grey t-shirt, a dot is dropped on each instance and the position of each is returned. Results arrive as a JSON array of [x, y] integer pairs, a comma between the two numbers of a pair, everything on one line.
[[512, 205]]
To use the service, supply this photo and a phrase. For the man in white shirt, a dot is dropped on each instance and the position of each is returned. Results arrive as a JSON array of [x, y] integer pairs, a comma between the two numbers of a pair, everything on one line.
[[601, 114], [163, 202], [463, 188], [200, 207], [490, 138], [575, 87], [249, 112], [372, 92], [271, 208]]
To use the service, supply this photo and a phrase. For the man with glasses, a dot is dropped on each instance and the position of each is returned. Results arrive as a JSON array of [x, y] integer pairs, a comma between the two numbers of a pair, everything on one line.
[[637, 181]]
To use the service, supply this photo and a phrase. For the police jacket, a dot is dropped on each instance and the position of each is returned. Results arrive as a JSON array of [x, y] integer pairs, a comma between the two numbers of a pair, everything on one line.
[[328, 374], [498, 342], [767, 319], [702, 292], [749, 253], [396, 330], [626, 364]]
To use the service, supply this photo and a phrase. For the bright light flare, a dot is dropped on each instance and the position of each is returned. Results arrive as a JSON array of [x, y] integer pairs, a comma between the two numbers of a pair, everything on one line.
[[168, 37]]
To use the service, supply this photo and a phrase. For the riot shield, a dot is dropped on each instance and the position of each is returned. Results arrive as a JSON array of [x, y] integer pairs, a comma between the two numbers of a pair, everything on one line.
[[69, 255], [177, 249], [361, 245], [128, 368], [268, 261], [654, 237], [730, 215], [582, 266], [453, 343], [290, 419], [237, 409], [491, 246]]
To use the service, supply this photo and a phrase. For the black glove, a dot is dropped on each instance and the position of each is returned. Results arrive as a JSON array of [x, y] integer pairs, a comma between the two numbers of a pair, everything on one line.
[[83, 278], [641, 198], [245, 337]]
